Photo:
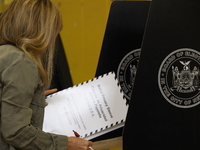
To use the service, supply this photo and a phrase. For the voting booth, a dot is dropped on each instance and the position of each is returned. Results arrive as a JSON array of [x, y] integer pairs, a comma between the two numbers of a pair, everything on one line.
[[164, 109], [61, 77], [121, 46]]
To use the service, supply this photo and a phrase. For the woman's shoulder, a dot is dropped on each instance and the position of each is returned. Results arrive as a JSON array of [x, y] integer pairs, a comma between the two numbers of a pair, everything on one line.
[[9, 50], [10, 55]]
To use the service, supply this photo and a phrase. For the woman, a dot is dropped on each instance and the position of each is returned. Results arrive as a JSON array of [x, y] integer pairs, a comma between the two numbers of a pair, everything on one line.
[[28, 29]]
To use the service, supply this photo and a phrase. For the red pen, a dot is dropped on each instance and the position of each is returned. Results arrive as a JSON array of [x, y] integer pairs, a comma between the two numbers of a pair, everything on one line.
[[77, 135]]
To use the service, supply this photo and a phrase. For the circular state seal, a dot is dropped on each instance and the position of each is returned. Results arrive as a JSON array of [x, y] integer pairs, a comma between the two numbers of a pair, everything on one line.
[[178, 78], [126, 71]]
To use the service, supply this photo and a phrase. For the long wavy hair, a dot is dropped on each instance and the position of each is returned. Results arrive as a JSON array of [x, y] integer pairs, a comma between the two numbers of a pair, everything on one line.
[[32, 26]]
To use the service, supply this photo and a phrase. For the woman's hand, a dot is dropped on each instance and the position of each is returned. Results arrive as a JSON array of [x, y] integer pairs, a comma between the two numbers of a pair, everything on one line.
[[47, 92], [75, 143]]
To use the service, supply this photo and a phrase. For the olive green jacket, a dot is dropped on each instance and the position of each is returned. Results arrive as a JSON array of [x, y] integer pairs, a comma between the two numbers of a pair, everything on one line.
[[22, 105]]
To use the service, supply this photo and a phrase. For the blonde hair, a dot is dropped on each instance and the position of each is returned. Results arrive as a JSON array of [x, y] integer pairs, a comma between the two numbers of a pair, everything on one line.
[[33, 25]]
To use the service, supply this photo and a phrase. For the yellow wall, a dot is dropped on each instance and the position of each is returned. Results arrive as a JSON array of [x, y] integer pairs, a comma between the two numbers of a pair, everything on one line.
[[82, 35], [84, 26]]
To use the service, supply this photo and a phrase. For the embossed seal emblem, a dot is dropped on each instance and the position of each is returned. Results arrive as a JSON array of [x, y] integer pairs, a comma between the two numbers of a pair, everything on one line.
[[127, 70], [178, 78]]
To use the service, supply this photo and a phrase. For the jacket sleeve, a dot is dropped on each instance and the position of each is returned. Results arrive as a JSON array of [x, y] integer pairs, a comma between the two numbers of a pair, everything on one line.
[[20, 80]]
